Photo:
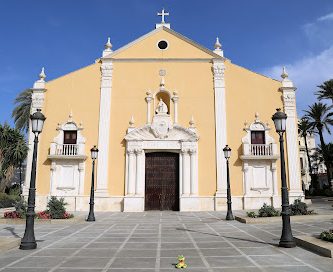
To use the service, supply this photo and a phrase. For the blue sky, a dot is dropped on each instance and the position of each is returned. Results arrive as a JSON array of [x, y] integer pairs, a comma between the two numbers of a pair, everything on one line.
[[261, 35]]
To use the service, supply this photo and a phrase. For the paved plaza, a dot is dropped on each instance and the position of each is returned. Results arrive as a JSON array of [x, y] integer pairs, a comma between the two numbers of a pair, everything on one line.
[[151, 241]]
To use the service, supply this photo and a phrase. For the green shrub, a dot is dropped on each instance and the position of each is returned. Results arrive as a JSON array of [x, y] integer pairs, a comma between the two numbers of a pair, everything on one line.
[[251, 214], [8, 200], [327, 235], [21, 207], [299, 208], [267, 211], [56, 208]]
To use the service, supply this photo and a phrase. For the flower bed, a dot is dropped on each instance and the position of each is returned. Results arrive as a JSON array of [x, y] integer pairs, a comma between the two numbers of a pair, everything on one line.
[[55, 210]]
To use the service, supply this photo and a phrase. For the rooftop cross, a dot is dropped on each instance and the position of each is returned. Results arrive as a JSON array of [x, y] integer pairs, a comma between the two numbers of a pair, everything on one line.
[[163, 14]]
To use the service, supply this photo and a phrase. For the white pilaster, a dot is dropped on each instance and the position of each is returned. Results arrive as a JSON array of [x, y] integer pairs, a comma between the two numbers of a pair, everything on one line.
[[175, 99], [53, 169], [81, 178], [193, 162], [139, 169], [148, 100], [37, 97], [104, 127], [131, 172], [220, 126], [186, 172], [289, 103]]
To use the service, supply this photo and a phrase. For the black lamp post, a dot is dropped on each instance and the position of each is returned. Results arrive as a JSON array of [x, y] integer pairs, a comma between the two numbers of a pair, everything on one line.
[[28, 241], [227, 154], [94, 153], [287, 239]]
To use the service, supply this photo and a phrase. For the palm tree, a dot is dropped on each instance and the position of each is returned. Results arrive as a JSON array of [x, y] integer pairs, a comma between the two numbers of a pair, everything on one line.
[[21, 112], [303, 129], [319, 116], [13, 151], [326, 90]]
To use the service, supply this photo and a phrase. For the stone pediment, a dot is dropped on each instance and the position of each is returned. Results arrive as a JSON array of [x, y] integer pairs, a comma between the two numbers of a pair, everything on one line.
[[175, 133]]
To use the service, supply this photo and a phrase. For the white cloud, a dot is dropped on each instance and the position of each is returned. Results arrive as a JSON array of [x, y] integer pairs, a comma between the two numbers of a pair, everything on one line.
[[306, 74], [326, 17]]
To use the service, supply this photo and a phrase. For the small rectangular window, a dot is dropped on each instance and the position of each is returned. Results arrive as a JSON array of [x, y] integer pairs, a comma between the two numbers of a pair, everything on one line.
[[70, 137], [257, 137]]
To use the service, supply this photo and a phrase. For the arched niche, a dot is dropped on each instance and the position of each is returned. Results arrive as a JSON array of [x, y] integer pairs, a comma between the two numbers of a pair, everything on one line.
[[165, 96]]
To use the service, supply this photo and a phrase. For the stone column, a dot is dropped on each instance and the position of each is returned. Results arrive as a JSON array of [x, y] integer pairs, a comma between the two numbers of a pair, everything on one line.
[[131, 172], [138, 182], [185, 170], [104, 128], [220, 126], [246, 179], [193, 167], [81, 178], [53, 170], [148, 100], [175, 99], [289, 103]]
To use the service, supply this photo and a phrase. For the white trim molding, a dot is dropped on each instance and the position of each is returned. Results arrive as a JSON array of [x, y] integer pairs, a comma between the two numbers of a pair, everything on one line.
[[37, 102], [294, 172], [104, 128], [220, 130], [161, 135]]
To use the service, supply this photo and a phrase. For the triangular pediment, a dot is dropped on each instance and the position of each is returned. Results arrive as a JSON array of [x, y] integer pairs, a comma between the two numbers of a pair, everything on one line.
[[176, 133], [179, 47]]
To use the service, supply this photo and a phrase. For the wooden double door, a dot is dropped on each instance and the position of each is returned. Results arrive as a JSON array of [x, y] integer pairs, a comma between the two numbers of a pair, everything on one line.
[[162, 181]]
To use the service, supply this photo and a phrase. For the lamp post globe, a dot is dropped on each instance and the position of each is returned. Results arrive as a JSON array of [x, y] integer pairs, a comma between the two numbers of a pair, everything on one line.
[[91, 215], [287, 239], [227, 155], [28, 241]]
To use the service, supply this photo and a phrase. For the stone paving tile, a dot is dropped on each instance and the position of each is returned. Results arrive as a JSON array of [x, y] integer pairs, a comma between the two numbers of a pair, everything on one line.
[[198, 236], [85, 262], [219, 262], [38, 262]]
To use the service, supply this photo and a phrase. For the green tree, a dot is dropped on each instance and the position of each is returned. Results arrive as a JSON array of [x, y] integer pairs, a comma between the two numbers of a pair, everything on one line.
[[304, 129], [320, 118], [21, 112], [326, 90], [13, 151]]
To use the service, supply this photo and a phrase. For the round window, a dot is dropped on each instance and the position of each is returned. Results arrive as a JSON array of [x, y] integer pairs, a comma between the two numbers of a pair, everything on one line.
[[162, 45]]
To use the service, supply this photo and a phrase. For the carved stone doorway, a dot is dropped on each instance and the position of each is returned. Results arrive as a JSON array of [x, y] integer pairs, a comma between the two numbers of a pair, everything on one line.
[[162, 181]]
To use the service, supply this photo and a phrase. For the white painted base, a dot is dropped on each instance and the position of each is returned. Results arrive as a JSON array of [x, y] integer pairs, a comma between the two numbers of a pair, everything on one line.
[[257, 202], [134, 204], [189, 204]]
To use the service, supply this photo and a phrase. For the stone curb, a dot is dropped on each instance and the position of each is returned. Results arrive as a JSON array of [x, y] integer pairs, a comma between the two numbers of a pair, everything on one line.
[[41, 221], [315, 245], [7, 243], [275, 219]]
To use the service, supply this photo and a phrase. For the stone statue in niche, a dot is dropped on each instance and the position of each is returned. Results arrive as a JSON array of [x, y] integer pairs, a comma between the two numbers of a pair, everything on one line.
[[162, 108]]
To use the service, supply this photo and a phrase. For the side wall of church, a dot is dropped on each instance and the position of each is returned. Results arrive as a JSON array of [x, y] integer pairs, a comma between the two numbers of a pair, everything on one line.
[[247, 93], [77, 92]]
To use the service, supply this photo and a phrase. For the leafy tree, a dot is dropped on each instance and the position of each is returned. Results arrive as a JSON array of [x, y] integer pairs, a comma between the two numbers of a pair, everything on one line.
[[326, 90], [320, 117], [304, 129], [21, 112], [13, 151]]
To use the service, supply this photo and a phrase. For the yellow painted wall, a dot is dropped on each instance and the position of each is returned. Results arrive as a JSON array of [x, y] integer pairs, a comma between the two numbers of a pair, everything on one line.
[[247, 93], [80, 92]]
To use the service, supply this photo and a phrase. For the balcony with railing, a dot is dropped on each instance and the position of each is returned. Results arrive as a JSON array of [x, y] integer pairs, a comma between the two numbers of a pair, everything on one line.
[[259, 151], [67, 151]]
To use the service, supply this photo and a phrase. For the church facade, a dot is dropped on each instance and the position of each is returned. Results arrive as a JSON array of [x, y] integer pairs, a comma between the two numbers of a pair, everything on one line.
[[160, 110]]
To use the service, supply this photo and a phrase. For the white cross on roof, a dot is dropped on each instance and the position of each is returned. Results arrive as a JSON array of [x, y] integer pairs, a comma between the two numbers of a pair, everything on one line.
[[162, 14]]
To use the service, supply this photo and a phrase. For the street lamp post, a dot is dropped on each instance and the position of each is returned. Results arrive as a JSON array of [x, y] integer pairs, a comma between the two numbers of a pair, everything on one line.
[[28, 241], [227, 154], [91, 216], [287, 239]]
